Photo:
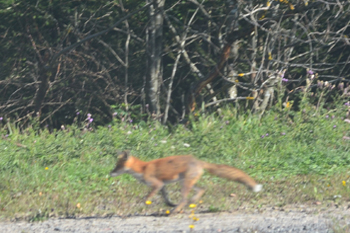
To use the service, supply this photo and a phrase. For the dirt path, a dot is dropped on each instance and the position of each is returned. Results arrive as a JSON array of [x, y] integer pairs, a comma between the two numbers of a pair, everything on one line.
[[270, 220], [304, 220]]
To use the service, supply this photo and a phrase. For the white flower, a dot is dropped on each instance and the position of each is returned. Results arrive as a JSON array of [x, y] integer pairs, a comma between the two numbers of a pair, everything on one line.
[[186, 145]]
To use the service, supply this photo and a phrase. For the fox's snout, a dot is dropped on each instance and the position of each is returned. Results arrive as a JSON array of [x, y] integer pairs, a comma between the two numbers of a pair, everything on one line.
[[115, 173]]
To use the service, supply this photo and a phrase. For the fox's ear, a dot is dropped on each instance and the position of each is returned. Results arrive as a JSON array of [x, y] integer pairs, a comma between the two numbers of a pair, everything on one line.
[[119, 153], [123, 154], [126, 154]]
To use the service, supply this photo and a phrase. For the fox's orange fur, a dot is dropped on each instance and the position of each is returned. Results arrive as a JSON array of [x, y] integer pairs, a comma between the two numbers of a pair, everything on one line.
[[184, 168]]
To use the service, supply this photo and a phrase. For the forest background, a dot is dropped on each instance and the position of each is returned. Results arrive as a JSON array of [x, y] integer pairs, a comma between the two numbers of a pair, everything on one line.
[[163, 60]]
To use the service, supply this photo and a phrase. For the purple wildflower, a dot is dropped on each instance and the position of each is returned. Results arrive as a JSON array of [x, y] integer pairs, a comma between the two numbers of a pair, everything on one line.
[[130, 121], [327, 116], [115, 114], [88, 116], [347, 104], [262, 136], [284, 80], [334, 126], [109, 126], [1, 118], [319, 84], [333, 116], [156, 144], [283, 133], [91, 120], [147, 105], [6, 135], [267, 135], [310, 72], [227, 122], [78, 113]]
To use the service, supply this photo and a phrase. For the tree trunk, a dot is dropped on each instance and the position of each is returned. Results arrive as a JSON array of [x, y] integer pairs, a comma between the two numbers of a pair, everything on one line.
[[154, 53]]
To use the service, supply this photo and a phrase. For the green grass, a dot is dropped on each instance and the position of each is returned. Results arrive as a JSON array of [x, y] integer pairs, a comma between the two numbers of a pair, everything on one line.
[[303, 159]]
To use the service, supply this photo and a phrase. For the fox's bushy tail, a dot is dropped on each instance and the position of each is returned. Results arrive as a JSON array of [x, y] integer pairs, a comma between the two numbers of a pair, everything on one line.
[[232, 173]]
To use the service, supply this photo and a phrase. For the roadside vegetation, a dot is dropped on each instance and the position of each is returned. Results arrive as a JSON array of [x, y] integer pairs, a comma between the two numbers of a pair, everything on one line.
[[301, 157]]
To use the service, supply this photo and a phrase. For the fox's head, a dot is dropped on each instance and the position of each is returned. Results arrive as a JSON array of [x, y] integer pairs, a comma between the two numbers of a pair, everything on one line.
[[120, 166]]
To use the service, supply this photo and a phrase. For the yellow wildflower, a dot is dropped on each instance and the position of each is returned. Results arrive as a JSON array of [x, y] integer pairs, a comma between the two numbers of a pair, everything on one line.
[[270, 56], [250, 98], [191, 226], [78, 205], [241, 75], [46, 168], [291, 7], [148, 202], [344, 183], [167, 212], [192, 205]]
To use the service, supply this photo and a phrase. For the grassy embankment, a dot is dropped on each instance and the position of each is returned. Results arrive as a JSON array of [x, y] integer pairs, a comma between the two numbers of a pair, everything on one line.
[[300, 159]]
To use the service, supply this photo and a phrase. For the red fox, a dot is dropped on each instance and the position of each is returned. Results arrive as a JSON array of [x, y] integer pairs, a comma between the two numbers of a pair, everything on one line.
[[185, 168]]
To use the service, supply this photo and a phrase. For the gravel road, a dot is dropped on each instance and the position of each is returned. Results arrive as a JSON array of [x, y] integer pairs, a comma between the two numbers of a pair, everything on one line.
[[269, 220]]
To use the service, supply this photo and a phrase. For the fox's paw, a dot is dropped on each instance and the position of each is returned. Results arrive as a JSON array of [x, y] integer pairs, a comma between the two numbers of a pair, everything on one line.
[[257, 188]]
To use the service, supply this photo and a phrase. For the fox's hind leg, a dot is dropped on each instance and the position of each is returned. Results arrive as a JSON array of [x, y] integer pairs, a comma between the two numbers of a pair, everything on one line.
[[199, 194], [190, 179]]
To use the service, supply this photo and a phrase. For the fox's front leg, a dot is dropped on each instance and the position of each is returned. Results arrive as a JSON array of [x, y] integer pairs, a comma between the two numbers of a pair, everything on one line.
[[166, 197], [156, 185]]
